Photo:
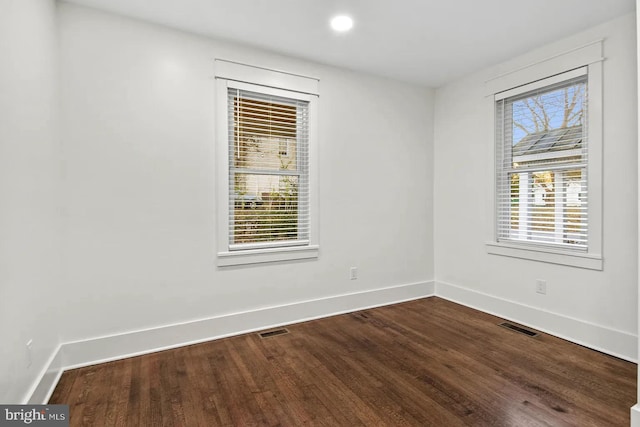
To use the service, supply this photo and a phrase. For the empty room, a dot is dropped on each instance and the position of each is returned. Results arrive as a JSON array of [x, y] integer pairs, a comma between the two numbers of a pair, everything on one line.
[[339, 213]]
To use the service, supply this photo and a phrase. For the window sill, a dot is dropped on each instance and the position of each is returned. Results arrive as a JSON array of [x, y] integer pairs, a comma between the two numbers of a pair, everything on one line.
[[572, 259], [259, 256]]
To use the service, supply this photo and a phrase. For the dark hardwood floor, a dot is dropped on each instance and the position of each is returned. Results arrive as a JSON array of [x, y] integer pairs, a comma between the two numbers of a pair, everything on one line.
[[423, 363]]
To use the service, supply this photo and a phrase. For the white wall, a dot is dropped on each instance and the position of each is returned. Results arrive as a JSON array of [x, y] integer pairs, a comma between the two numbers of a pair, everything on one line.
[[29, 193], [635, 410], [138, 128], [606, 300]]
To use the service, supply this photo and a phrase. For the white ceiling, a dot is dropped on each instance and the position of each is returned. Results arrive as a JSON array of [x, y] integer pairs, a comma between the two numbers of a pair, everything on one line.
[[430, 42]]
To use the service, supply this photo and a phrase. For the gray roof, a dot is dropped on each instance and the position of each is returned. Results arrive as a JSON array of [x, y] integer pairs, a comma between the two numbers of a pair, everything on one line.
[[549, 141]]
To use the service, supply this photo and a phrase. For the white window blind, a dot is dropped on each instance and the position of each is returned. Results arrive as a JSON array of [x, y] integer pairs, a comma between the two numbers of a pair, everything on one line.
[[542, 158], [268, 170]]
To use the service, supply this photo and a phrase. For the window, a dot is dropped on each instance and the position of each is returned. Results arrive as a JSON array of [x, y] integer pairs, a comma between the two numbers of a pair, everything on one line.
[[267, 198], [268, 190], [542, 150], [548, 159]]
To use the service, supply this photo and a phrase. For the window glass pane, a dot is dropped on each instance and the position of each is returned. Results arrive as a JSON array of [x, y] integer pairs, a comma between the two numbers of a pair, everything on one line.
[[542, 159], [548, 207], [265, 152], [547, 126], [265, 133], [268, 175], [266, 208]]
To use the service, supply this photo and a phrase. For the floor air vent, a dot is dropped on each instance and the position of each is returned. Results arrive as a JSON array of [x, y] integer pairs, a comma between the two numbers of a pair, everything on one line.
[[518, 329], [273, 333]]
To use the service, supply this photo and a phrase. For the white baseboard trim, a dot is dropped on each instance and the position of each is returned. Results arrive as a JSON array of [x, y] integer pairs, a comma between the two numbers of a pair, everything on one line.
[[47, 380], [610, 341], [635, 415], [120, 346]]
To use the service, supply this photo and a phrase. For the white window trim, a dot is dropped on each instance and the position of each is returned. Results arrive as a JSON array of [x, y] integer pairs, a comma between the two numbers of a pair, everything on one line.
[[545, 73], [270, 81]]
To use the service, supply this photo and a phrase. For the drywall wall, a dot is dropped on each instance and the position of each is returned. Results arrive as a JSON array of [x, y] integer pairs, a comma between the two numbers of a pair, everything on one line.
[[635, 411], [636, 415], [138, 128], [29, 190], [604, 302]]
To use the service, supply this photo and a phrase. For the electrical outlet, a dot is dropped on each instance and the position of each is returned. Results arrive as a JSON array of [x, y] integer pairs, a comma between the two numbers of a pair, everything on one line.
[[29, 351], [353, 273], [541, 286]]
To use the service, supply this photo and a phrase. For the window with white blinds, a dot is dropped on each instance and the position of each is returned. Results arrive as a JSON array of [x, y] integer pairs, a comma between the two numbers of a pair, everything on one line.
[[542, 163], [268, 150], [267, 165]]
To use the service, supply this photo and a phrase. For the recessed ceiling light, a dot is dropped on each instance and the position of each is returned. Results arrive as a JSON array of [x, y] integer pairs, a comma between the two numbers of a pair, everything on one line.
[[341, 23]]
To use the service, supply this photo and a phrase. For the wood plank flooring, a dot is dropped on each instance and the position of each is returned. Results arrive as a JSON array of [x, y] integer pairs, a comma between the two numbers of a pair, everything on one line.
[[423, 363]]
